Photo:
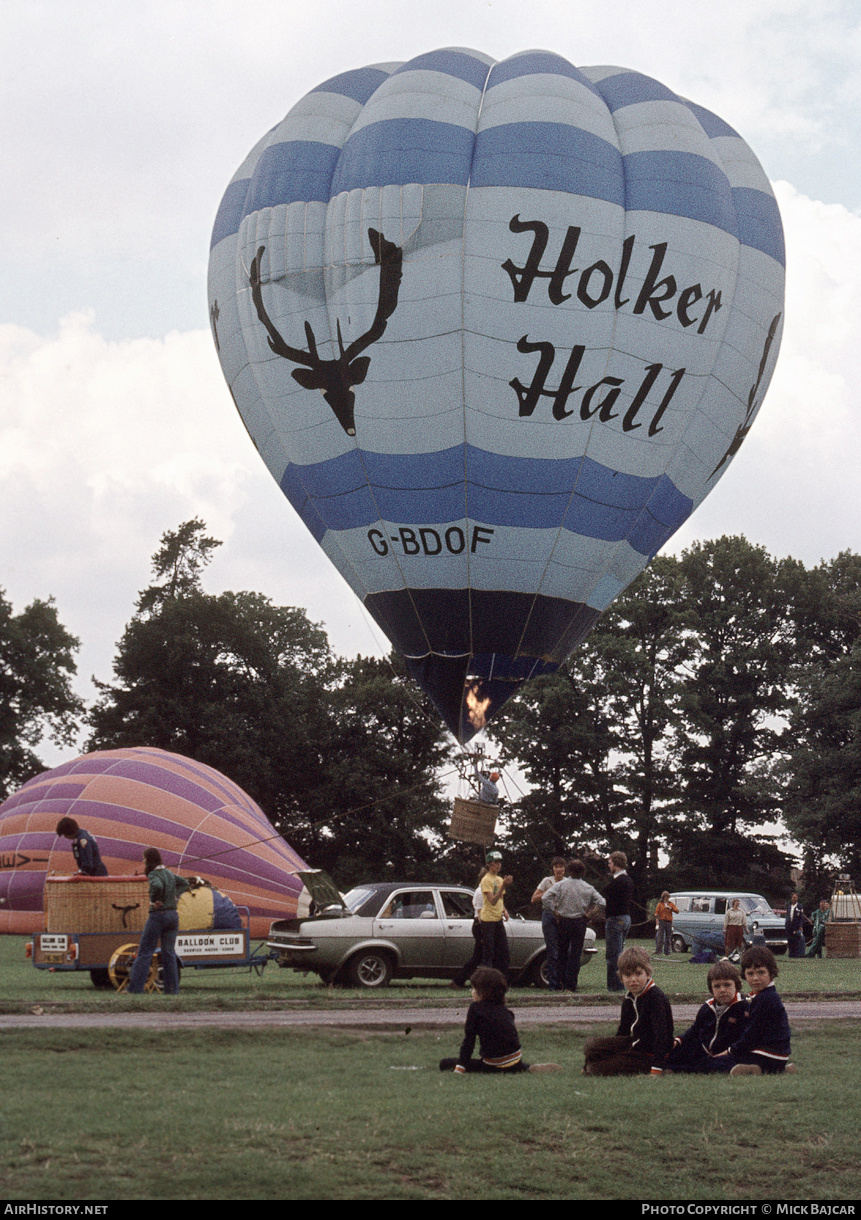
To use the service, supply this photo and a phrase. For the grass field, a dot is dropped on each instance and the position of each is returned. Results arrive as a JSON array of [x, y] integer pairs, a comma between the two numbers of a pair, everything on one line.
[[355, 1115], [263, 1114], [23, 984]]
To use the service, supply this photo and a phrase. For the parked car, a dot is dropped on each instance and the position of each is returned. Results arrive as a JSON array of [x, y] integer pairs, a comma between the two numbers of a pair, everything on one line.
[[387, 930], [704, 911]]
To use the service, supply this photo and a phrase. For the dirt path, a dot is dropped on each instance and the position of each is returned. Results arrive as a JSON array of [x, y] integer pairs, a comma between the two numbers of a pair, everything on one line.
[[380, 1018]]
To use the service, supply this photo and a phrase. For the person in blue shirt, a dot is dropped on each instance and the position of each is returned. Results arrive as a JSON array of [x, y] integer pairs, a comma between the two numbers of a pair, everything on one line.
[[85, 849], [488, 785], [763, 1045], [719, 1022]]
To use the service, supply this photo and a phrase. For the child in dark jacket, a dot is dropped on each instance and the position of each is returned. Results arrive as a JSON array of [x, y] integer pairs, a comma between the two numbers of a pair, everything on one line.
[[491, 1022], [718, 1023], [763, 1045], [645, 1034]]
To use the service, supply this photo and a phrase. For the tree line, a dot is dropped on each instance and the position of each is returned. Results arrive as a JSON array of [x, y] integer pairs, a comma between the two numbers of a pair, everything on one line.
[[717, 700]]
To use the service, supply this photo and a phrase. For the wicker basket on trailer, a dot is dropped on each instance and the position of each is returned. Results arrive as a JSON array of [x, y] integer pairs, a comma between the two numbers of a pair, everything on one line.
[[96, 904]]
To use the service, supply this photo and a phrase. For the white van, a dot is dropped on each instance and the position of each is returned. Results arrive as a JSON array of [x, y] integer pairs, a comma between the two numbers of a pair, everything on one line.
[[704, 911]]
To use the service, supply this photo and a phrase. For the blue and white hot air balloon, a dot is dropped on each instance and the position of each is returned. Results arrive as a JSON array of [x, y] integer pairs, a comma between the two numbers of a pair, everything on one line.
[[496, 329]]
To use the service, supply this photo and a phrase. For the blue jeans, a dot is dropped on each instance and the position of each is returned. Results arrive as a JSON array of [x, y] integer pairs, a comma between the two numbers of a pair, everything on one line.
[[550, 928], [615, 931], [161, 926], [664, 937]]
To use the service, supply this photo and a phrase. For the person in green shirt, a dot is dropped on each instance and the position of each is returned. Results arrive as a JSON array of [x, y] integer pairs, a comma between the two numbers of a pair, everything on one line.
[[161, 926], [821, 917]]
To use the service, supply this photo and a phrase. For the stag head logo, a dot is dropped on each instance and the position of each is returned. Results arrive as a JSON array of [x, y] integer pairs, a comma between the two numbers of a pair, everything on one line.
[[337, 377]]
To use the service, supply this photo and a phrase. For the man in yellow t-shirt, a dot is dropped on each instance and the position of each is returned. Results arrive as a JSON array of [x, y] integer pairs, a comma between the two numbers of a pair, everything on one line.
[[493, 915]]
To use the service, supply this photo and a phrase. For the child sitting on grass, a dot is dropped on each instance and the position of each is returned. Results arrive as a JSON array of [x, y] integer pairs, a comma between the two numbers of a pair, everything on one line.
[[718, 1023], [763, 1045], [645, 1034], [489, 1020]]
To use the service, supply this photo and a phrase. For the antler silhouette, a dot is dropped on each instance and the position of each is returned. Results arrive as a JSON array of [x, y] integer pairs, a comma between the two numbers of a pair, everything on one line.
[[745, 426], [337, 377]]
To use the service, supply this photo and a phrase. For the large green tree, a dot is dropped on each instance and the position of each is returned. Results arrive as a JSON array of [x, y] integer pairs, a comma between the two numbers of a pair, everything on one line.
[[342, 756], [36, 697], [644, 646], [558, 732], [377, 813], [737, 690], [822, 804], [228, 679], [592, 739]]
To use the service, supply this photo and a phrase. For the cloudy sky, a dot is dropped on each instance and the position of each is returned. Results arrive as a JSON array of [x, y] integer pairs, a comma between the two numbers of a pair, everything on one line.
[[121, 126]]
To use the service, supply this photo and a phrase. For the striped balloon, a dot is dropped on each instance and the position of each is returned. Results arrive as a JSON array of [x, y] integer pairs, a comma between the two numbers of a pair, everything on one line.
[[496, 329], [130, 799]]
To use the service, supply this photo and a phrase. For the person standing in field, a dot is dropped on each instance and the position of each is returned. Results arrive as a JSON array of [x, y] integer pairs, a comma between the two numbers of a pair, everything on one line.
[[550, 922], [493, 915], [161, 926], [664, 912], [571, 900], [821, 917], [618, 895], [734, 928]]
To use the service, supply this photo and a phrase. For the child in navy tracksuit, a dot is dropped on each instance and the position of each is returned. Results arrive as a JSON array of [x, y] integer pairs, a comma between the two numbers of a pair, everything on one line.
[[718, 1023], [490, 1021], [764, 1043], [645, 1034]]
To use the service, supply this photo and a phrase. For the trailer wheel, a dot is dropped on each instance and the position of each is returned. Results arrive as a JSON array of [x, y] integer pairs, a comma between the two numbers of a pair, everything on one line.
[[100, 977], [120, 968]]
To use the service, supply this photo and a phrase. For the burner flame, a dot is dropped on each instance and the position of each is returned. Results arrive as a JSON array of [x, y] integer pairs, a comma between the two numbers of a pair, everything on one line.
[[476, 705]]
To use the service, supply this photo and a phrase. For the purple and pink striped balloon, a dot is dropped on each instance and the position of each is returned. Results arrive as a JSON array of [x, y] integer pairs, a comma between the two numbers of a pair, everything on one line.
[[131, 799]]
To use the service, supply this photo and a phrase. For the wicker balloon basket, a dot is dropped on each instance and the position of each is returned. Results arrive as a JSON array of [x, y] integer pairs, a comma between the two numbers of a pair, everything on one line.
[[843, 939], [96, 904], [473, 821]]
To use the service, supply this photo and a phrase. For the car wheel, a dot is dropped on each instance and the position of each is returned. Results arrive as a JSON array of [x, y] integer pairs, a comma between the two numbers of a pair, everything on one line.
[[538, 975], [679, 945], [370, 968]]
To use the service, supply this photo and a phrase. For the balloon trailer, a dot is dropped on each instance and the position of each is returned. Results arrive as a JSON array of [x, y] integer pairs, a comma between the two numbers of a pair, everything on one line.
[[95, 924]]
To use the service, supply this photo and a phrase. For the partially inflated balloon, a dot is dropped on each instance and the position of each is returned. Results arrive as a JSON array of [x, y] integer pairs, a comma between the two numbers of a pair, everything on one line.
[[496, 329], [130, 799]]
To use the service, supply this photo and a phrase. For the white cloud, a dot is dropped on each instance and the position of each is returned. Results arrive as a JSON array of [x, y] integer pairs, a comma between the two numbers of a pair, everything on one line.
[[793, 486], [106, 445]]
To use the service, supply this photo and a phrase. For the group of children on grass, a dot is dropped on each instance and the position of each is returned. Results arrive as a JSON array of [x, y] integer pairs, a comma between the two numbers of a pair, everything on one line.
[[732, 1034]]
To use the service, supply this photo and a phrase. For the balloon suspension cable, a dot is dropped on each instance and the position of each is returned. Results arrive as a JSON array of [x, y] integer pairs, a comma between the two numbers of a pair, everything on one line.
[[313, 825], [469, 766]]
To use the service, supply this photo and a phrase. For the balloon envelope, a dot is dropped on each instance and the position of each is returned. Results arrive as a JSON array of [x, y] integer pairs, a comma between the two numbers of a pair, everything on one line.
[[131, 799], [496, 329]]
